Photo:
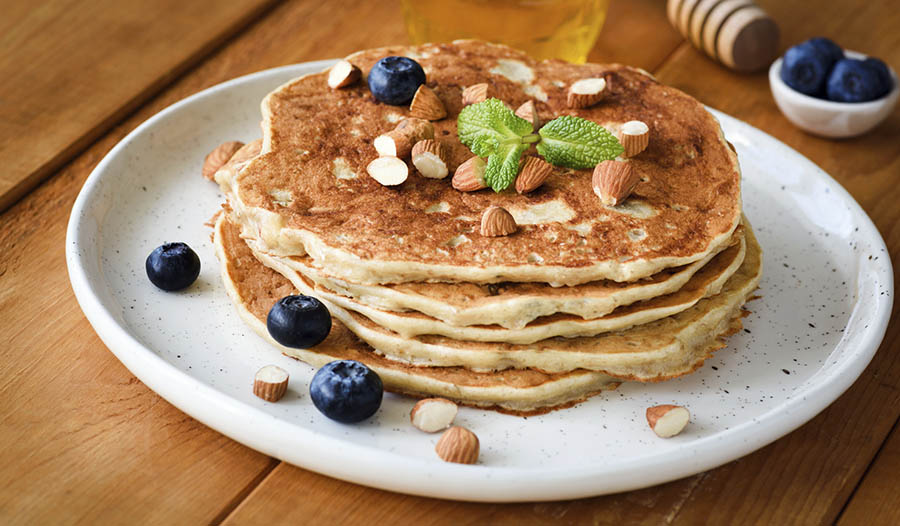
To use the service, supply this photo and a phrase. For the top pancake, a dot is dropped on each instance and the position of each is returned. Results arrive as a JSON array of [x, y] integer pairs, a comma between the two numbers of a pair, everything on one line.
[[309, 192]]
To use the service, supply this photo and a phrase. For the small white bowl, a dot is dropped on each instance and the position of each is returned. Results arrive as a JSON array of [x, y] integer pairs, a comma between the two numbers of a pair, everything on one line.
[[827, 118]]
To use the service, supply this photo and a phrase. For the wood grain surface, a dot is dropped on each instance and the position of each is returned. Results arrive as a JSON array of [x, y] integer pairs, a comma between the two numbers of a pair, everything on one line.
[[84, 442]]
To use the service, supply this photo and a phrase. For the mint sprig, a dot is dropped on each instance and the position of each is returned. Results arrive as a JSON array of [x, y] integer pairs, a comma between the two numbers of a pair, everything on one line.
[[490, 129]]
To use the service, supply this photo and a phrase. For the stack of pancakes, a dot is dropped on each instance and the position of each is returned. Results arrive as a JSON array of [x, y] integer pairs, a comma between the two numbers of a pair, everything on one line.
[[582, 297]]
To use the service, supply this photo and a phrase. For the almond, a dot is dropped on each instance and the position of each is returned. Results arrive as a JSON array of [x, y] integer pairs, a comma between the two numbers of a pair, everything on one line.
[[218, 157], [586, 92], [667, 420], [430, 159], [343, 74], [433, 414], [534, 172], [528, 111], [475, 93], [613, 181], [496, 222], [389, 171], [635, 137], [426, 105], [469, 176], [399, 142], [246, 152], [458, 445], [270, 383]]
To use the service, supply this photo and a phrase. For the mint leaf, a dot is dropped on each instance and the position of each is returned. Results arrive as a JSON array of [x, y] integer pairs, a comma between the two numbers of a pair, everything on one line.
[[573, 142], [483, 127], [503, 166]]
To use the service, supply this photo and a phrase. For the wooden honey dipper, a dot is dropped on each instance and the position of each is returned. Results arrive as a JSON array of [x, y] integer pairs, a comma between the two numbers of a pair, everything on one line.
[[736, 33]]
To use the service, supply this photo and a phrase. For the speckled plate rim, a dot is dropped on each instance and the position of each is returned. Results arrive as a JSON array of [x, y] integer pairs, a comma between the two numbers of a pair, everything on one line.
[[392, 471]]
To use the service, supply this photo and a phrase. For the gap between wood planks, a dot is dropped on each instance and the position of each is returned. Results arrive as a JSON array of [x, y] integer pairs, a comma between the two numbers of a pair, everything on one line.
[[865, 473]]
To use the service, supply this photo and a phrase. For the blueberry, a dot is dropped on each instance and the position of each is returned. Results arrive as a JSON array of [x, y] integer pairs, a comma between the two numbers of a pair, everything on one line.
[[886, 82], [805, 69], [173, 266], [828, 49], [852, 80], [394, 80], [346, 391], [298, 321]]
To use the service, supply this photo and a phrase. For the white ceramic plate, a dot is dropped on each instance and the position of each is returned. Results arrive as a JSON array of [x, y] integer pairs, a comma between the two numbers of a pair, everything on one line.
[[826, 300]]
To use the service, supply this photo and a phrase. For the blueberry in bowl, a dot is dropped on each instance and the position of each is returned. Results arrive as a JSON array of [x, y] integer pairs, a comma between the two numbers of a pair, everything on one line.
[[299, 321], [172, 266], [394, 80], [805, 69], [852, 80], [346, 391]]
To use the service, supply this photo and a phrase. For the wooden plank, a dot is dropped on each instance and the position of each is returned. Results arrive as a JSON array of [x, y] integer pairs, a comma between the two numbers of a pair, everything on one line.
[[636, 33], [875, 500], [69, 70]]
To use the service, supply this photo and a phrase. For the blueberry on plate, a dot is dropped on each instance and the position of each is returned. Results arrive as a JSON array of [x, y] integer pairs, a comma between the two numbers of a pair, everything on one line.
[[394, 80], [851, 80], [346, 391], [828, 49], [884, 75], [172, 266], [299, 321], [805, 69]]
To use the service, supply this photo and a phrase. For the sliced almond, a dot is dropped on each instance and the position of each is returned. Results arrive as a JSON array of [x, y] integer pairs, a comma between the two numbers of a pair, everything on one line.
[[343, 74], [635, 137], [469, 176], [667, 420], [426, 105], [528, 111], [270, 383], [433, 414], [496, 222], [586, 92], [613, 181], [458, 445], [399, 142], [430, 159], [534, 172], [389, 171], [475, 93], [218, 157]]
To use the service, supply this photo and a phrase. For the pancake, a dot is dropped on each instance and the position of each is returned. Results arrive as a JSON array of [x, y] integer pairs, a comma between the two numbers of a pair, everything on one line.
[[707, 282], [308, 192], [654, 351], [253, 289]]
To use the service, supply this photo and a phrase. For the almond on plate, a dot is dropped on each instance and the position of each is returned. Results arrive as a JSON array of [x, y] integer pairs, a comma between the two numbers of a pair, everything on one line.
[[218, 157], [343, 74], [475, 93], [426, 105], [613, 181], [469, 176], [586, 92], [496, 222], [635, 137], [399, 141], [433, 414], [270, 383], [430, 159], [388, 171], [667, 420], [534, 172], [458, 445]]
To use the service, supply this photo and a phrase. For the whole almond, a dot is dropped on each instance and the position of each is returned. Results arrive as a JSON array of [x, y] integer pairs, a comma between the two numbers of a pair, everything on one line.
[[458, 445], [246, 152], [667, 420], [613, 181], [388, 171], [218, 157], [270, 383], [343, 74], [534, 172], [430, 159], [433, 414], [496, 222], [426, 105], [469, 176], [475, 93], [586, 92], [635, 137], [528, 111]]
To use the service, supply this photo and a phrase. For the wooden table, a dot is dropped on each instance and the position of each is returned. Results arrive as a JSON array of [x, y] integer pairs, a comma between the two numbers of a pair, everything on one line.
[[83, 441]]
